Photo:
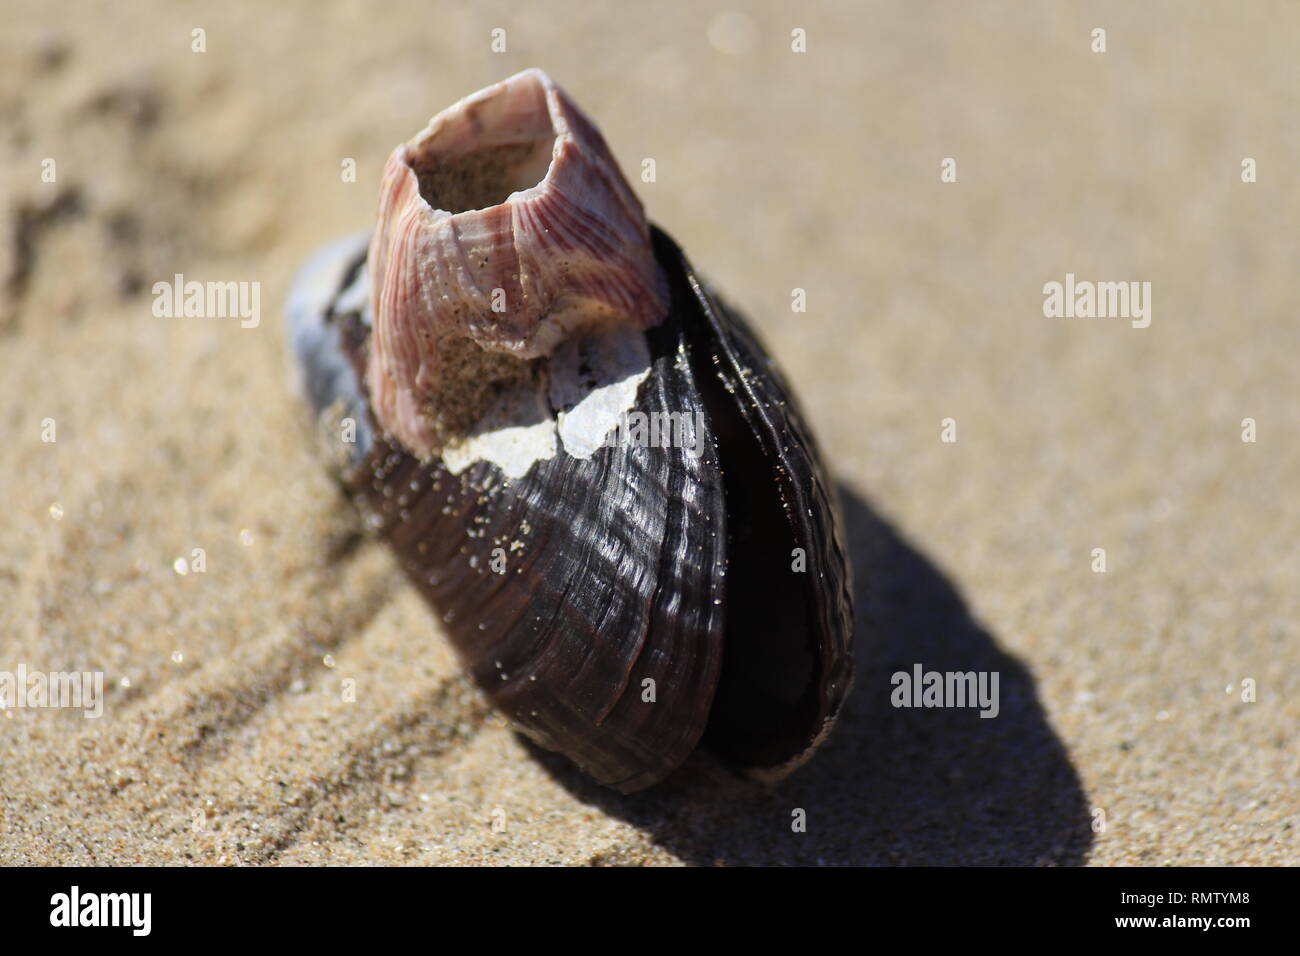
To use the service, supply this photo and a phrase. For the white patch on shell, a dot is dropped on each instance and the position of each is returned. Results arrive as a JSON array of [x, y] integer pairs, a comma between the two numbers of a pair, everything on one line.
[[593, 381], [517, 432]]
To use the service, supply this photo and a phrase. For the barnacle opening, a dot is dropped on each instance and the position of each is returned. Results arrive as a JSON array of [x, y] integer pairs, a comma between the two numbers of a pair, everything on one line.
[[488, 148], [486, 177]]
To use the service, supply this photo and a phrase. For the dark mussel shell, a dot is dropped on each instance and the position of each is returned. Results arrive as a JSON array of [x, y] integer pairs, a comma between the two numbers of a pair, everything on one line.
[[640, 564]]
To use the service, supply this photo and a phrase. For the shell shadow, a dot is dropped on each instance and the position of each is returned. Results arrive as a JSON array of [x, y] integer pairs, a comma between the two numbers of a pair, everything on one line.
[[901, 786]]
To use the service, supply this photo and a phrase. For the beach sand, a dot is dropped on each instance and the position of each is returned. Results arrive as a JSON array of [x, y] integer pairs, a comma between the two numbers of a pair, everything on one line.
[[1148, 714]]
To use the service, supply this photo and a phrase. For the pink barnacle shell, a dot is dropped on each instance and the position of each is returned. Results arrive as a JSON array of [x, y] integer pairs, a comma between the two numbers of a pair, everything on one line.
[[506, 224]]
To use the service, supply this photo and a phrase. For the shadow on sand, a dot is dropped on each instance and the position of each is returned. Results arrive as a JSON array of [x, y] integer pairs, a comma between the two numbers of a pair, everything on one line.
[[891, 786]]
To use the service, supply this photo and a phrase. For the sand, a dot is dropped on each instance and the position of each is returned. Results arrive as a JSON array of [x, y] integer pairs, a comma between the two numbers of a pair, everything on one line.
[[228, 735]]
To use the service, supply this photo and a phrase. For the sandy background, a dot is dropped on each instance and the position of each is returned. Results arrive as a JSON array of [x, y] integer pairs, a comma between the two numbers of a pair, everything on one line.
[[225, 739]]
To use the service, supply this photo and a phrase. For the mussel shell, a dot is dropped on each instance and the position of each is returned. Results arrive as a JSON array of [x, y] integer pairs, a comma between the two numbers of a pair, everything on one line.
[[648, 597], [788, 661]]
